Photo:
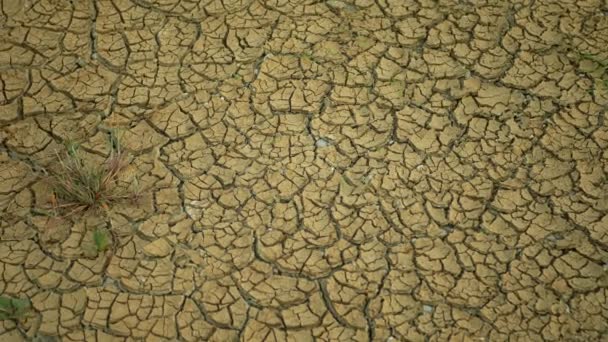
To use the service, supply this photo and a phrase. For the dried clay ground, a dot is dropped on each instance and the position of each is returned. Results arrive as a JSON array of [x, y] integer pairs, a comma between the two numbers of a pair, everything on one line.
[[361, 170]]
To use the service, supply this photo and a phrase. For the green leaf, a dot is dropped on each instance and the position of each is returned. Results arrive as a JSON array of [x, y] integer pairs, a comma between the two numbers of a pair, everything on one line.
[[5, 302], [13, 308], [20, 304], [101, 239]]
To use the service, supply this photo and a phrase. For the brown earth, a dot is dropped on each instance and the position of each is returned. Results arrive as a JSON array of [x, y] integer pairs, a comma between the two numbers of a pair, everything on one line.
[[341, 170]]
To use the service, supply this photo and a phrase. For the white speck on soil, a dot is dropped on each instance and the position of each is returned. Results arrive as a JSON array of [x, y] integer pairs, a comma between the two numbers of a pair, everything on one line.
[[322, 143]]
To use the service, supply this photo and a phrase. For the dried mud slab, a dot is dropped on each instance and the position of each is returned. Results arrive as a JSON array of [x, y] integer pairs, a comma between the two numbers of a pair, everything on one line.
[[343, 170]]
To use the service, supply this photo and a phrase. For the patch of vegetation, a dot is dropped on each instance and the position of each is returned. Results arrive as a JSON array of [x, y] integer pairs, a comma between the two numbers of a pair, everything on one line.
[[14, 308], [79, 185], [601, 67], [308, 56], [101, 239]]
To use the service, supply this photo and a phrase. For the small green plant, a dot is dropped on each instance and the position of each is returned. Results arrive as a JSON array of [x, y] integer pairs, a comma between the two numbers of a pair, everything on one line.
[[101, 239], [13, 308], [80, 185], [602, 66]]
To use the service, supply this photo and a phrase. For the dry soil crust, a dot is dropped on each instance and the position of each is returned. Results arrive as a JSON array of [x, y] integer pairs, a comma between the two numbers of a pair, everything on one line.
[[361, 170]]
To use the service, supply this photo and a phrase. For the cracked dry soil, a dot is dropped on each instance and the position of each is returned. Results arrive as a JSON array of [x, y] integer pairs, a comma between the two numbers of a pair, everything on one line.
[[361, 170]]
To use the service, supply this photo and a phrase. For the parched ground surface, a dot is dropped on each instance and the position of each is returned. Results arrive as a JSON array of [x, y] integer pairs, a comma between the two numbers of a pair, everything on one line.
[[363, 170]]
